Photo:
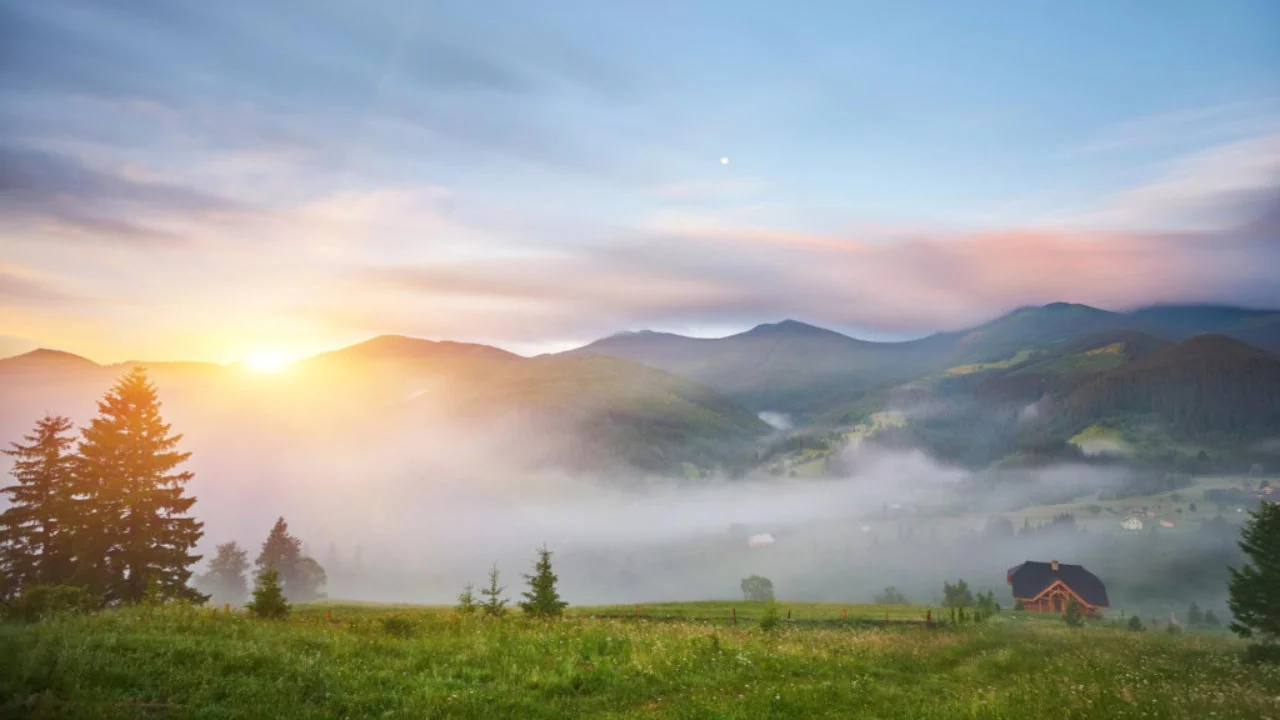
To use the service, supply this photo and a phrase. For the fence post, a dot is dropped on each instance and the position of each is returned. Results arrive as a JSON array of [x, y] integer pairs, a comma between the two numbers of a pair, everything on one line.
[[226, 608], [328, 616], [735, 615], [928, 619], [637, 610], [844, 613], [788, 613]]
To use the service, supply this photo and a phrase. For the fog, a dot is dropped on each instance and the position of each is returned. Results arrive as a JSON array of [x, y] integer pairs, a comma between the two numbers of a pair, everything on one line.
[[401, 500], [433, 512]]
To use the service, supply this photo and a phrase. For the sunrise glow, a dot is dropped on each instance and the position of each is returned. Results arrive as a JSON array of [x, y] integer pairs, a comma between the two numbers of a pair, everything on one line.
[[267, 361]]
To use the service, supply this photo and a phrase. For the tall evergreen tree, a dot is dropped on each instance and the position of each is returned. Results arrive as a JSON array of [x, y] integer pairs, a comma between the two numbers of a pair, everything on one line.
[[301, 576], [127, 463], [37, 530], [226, 581], [1255, 588], [542, 600]]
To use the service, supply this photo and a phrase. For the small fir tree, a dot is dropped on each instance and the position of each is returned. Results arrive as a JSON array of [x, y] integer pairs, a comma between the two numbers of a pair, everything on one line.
[[1255, 588], [268, 597], [542, 600], [141, 534], [1194, 615], [467, 601], [37, 529], [494, 604], [1211, 619], [1135, 623]]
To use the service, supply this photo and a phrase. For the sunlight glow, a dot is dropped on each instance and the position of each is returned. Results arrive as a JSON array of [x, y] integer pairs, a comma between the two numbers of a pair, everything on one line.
[[267, 361]]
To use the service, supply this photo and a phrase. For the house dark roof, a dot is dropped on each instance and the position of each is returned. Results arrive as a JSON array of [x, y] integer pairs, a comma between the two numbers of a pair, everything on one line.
[[1031, 578]]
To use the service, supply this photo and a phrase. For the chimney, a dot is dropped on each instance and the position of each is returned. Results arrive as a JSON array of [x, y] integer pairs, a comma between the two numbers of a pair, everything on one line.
[[1053, 565]]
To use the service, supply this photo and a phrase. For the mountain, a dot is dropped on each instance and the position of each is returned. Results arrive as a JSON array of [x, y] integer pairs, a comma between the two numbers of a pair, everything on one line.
[[1210, 386], [814, 373], [788, 367], [584, 414]]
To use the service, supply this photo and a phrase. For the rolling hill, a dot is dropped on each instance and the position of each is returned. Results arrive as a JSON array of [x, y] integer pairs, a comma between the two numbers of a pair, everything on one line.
[[583, 414]]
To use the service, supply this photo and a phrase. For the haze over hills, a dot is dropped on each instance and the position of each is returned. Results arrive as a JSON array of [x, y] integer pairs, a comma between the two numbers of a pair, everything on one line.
[[665, 404]]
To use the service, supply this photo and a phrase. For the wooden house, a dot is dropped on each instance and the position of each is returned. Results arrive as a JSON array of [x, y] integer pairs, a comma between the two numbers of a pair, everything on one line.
[[1049, 586]]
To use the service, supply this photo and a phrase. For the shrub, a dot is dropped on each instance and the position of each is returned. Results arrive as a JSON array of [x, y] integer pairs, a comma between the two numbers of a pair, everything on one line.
[[1135, 623], [891, 596], [1264, 653], [1017, 605], [769, 618], [1172, 629], [397, 626], [39, 602], [1073, 615], [268, 598], [1211, 619]]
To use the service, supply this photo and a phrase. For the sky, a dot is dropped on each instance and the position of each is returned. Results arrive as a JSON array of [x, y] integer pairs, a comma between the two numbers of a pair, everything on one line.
[[211, 181]]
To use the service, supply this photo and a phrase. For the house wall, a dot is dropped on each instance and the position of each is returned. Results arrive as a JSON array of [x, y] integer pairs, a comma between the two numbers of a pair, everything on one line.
[[1055, 599]]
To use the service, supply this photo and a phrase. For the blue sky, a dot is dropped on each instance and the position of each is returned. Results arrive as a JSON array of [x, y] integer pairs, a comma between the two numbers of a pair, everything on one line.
[[206, 180]]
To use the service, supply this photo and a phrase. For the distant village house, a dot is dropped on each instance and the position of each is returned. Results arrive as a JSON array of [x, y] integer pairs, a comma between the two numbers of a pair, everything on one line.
[[1048, 587], [1133, 522]]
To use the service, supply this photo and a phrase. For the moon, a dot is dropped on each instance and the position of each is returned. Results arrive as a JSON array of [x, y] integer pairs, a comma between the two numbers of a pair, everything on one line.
[[724, 161]]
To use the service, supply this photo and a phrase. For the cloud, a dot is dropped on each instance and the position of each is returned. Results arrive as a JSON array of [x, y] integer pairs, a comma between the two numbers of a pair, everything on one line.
[[1202, 189], [52, 188], [21, 285]]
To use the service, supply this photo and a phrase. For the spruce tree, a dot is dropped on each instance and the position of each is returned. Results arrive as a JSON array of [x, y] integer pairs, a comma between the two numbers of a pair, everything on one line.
[[1194, 615], [225, 581], [494, 604], [37, 542], [268, 598], [302, 576], [1255, 588], [467, 600], [141, 536], [542, 600]]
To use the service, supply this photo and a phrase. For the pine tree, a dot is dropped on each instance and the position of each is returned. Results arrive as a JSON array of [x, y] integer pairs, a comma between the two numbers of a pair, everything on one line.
[[542, 600], [494, 604], [1255, 588], [268, 597], [301, 575], [225, 581], [1211, 619], [140, 533], [36, 531], [467, 600], [1194, 615]]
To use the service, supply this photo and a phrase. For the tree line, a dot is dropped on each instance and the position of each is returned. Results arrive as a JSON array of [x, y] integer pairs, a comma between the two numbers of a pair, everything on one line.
[[107, 514]]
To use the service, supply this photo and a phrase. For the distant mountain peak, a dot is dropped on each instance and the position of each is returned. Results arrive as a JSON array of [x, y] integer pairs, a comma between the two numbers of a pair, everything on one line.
[[46, 356], [791, 326]]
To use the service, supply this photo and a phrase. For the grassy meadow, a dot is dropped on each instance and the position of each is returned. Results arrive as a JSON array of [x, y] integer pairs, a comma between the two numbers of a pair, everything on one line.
[[348, 661]]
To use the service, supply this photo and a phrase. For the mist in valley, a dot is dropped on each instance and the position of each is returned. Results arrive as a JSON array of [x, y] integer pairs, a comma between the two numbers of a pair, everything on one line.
[[403, 498]]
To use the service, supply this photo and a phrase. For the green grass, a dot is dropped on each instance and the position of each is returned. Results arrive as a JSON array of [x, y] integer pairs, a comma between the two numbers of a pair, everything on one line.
[[188, 663], [1096, 360], [1016, 359]]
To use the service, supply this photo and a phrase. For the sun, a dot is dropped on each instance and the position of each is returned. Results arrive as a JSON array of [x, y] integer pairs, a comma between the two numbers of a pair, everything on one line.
[[267, 361]]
